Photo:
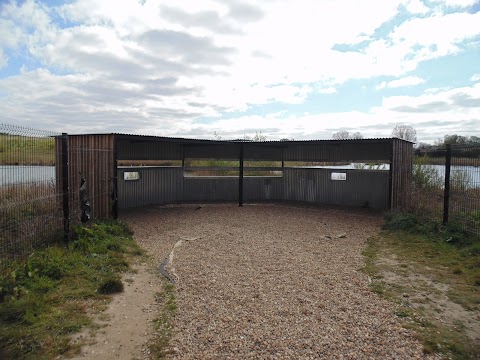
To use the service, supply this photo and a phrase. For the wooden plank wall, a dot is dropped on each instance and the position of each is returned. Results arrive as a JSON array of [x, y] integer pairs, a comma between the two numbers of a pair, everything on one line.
[[401, 173], [93, 157]]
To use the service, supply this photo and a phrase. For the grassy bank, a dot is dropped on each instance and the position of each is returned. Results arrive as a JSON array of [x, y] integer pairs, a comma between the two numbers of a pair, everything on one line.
[[23, 150], [463, 161], [47, 298], [432, 274]]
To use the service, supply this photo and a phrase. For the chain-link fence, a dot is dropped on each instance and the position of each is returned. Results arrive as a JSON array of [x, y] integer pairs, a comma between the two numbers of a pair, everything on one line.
[[30, 203], [446, 185]]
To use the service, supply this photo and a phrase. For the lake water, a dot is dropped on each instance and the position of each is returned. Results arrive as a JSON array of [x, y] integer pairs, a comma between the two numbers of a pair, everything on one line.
[[20, 174]]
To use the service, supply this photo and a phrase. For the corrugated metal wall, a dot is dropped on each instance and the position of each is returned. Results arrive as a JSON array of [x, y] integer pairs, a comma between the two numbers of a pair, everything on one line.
[[361, 187], [168, 185], [210, 189], [338, 150], [136, 147], [263, 189], [132, 148], [160, 185]]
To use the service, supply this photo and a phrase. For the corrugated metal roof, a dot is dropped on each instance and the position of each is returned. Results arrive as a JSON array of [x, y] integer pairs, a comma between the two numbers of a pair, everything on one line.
[[193, 140]]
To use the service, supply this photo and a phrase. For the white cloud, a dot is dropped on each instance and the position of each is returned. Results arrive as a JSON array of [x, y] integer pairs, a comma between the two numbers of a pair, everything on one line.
[[456, 3], [416, 7], [405, 81], [167, 63], [465, 98], [3, 59], [475, 77], [439, 35]]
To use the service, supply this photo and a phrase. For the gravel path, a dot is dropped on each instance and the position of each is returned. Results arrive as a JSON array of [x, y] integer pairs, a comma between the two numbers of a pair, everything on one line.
[[272, 281]]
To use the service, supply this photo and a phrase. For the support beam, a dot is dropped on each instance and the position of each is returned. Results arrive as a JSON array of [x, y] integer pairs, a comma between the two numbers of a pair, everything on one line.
[[65, 189], [240, 178], [446, 194]]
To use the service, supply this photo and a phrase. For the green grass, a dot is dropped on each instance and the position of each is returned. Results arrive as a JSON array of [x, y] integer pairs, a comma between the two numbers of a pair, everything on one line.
[[25, 150], [48, 297], [448, 258], [164, 322]]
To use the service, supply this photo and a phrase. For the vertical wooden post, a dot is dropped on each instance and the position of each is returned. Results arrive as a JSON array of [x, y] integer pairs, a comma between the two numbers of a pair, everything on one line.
[[240, 178], [446, 194], [65, 189], [391, 191], [115, 179]]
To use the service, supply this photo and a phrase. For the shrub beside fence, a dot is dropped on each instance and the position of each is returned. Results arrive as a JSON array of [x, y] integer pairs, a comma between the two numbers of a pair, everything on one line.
[[446, 186]]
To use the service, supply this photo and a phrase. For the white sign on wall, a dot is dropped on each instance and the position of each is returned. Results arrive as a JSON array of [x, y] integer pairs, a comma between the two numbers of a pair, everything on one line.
[[339, 176], [131, 175]]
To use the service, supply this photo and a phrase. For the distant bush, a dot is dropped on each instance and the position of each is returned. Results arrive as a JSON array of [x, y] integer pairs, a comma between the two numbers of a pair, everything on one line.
[[425, 176]]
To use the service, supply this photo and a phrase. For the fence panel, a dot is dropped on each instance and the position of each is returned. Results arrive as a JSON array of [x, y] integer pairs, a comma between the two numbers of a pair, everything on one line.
[[31, 212], [464, 204], [446, 185]]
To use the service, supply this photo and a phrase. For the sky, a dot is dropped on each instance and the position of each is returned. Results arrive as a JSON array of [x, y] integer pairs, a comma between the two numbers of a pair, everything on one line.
[[300, 69]]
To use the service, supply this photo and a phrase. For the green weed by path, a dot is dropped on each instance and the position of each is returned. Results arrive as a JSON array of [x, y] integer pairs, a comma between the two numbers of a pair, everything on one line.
[[423, 267], [164, 322], [48, 297]]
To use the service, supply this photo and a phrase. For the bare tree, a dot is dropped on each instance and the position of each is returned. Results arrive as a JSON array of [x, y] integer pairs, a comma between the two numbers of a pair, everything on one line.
[[345, 135], [341, 135], [259, 137], [356, 135], [217, 136], [405, 132]]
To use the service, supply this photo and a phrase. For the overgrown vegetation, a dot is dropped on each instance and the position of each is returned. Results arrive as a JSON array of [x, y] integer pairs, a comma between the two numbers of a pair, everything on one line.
[[423, 267], [46, 298], [213, 167], [25, 150]]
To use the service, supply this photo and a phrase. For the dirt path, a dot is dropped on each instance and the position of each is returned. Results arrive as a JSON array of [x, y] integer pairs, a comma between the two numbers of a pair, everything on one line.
[[127, 323], [272, 281]]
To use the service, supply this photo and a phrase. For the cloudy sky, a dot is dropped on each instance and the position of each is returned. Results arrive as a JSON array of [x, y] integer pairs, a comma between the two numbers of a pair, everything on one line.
[[301, 69]]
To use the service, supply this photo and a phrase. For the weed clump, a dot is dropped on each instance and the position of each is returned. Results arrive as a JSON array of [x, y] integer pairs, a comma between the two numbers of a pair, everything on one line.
[[451, 233], [111, 286]]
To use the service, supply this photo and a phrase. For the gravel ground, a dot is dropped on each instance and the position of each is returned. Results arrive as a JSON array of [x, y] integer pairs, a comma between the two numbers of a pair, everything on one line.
[[272, 281]]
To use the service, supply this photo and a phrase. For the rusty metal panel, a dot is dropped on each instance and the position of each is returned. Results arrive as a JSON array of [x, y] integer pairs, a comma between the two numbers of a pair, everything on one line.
[[91, 157], [361, 187], [156, 185]]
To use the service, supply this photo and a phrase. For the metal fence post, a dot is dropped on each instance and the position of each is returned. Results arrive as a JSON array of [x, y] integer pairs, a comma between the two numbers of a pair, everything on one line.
[[240, 178], [446, 194], [65, 189]]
